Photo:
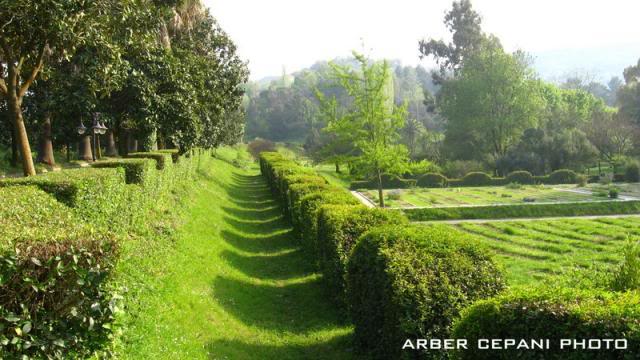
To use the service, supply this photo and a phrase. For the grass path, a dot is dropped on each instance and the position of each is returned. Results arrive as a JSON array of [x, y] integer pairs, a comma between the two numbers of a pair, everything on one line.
[[236, 284]]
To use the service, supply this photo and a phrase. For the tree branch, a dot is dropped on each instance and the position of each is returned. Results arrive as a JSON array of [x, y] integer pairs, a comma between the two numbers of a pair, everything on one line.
[[34, 73]]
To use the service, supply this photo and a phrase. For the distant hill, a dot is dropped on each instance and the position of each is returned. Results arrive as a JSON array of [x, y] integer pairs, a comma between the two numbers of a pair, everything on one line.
[[601, 63]]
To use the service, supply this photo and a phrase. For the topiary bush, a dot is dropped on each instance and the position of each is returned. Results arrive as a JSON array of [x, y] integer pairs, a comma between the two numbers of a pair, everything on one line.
[[632, 173], [549, 313], [175, 154], [477, 179], [136, 170], [432, 180], [339, 227], [409, 282], [520, 177], [562, 176], [163, 160]]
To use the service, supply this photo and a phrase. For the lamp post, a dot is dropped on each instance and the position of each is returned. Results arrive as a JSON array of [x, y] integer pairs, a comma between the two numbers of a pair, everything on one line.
[[96, 129]]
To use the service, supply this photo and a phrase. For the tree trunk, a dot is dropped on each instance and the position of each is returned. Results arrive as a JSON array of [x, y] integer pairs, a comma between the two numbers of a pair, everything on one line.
[[380, 191], [21, 135], [14, 147], [84, 150], [111, 144], [132, 144], [68, 151], [98, 148], [337, 167], [45, 155]]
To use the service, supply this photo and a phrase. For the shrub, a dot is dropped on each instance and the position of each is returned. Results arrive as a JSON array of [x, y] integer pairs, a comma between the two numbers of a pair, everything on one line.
[[524, 210], [418, 168], [432, 180], [613, 193], [514, 186], [163, 160], [175, 154], [562, 176], [477, 179], [412, 282], [136, 170], [339, 227], [53, 270], [307, 212], [554, 314], [627, 276], [459, 168], [632, 173], [520, 177], [582, 181], [258, 146], [394, 195]]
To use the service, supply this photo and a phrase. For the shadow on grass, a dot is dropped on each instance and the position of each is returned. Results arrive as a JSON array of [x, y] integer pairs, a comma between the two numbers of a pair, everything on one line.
[[246, 350], [275, 242], [284, 266], [296, 308]]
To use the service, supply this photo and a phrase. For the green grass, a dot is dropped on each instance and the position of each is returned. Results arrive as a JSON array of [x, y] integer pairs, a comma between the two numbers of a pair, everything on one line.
[[534, 251], [486, 195], [328, 171], [231, 283]]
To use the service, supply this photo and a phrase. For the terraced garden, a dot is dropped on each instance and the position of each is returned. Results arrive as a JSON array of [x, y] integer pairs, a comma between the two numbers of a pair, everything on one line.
[[487, 195], [532, 251]]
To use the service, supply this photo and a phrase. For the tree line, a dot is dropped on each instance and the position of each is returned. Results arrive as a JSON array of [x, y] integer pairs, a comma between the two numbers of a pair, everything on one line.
[[483, 108], [160, 73]]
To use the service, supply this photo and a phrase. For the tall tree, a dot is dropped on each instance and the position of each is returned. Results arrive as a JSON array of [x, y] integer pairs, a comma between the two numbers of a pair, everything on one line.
[[464, 23], [373, 121]]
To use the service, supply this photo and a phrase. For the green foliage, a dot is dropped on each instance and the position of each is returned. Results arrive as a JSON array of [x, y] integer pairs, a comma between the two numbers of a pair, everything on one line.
[[388, 182], [258, 146], [163, 160], [551, 313], [339, 227], [524, 210], [520, 177], [562, 176], [175, 154], [632, 173], [614, 192], [477, 179], [415, 169], [432, 180], [412, 282], [136, 170], [627, 276]]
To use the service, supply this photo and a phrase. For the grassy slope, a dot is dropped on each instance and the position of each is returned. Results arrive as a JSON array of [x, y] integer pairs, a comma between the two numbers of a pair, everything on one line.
[[234, 286]]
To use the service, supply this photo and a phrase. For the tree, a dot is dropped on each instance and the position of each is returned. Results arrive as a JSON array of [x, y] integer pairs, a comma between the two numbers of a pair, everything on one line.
[[612, 133], [629, 94], [489, 103], [464, 23], [373, 120]]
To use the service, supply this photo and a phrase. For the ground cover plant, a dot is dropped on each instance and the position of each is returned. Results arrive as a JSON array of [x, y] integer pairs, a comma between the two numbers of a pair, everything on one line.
[[485, 195], [536, 251]]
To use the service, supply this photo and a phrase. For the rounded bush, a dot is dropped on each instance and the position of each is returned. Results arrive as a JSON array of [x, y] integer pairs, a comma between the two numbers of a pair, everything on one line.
[[409, 282], [554, 314], [521, 177], [563, 176], [432, 180], [477, 179], [632, 173]]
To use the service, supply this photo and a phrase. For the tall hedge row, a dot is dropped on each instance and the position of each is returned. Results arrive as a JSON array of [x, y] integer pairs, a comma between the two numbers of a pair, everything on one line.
[[395, 280], [59, 238]]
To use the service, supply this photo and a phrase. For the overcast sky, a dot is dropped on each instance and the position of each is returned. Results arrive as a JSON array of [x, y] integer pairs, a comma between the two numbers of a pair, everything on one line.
[[293, 34]]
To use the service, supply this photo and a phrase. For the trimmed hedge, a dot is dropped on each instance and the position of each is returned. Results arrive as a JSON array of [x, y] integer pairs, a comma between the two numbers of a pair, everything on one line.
[[520, 177], [524, 210], [175, 154], [339, 227], [388, 182], [562, 176], [432, 180], [477, 179], [59, 240], [552, 314], [136, 170], [412, 282], [163, 160]]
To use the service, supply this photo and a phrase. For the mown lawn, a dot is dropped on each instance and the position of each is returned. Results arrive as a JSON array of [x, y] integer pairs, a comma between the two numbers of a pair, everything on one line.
[[532, 251], [486, 195], [234, 284]]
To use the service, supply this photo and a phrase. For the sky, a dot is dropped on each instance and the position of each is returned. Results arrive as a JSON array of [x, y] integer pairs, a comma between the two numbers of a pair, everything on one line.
[[585, 36]]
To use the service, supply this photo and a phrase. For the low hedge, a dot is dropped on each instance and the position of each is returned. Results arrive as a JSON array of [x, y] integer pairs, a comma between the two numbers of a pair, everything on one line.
[[432, 180], [175, 154], [53, 278], [412, 282], [163, 160], [339, 227], [562, 176], [552, 314], [524, 210], [520, 177], [477, 179], [136, 170], [388, 182]]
